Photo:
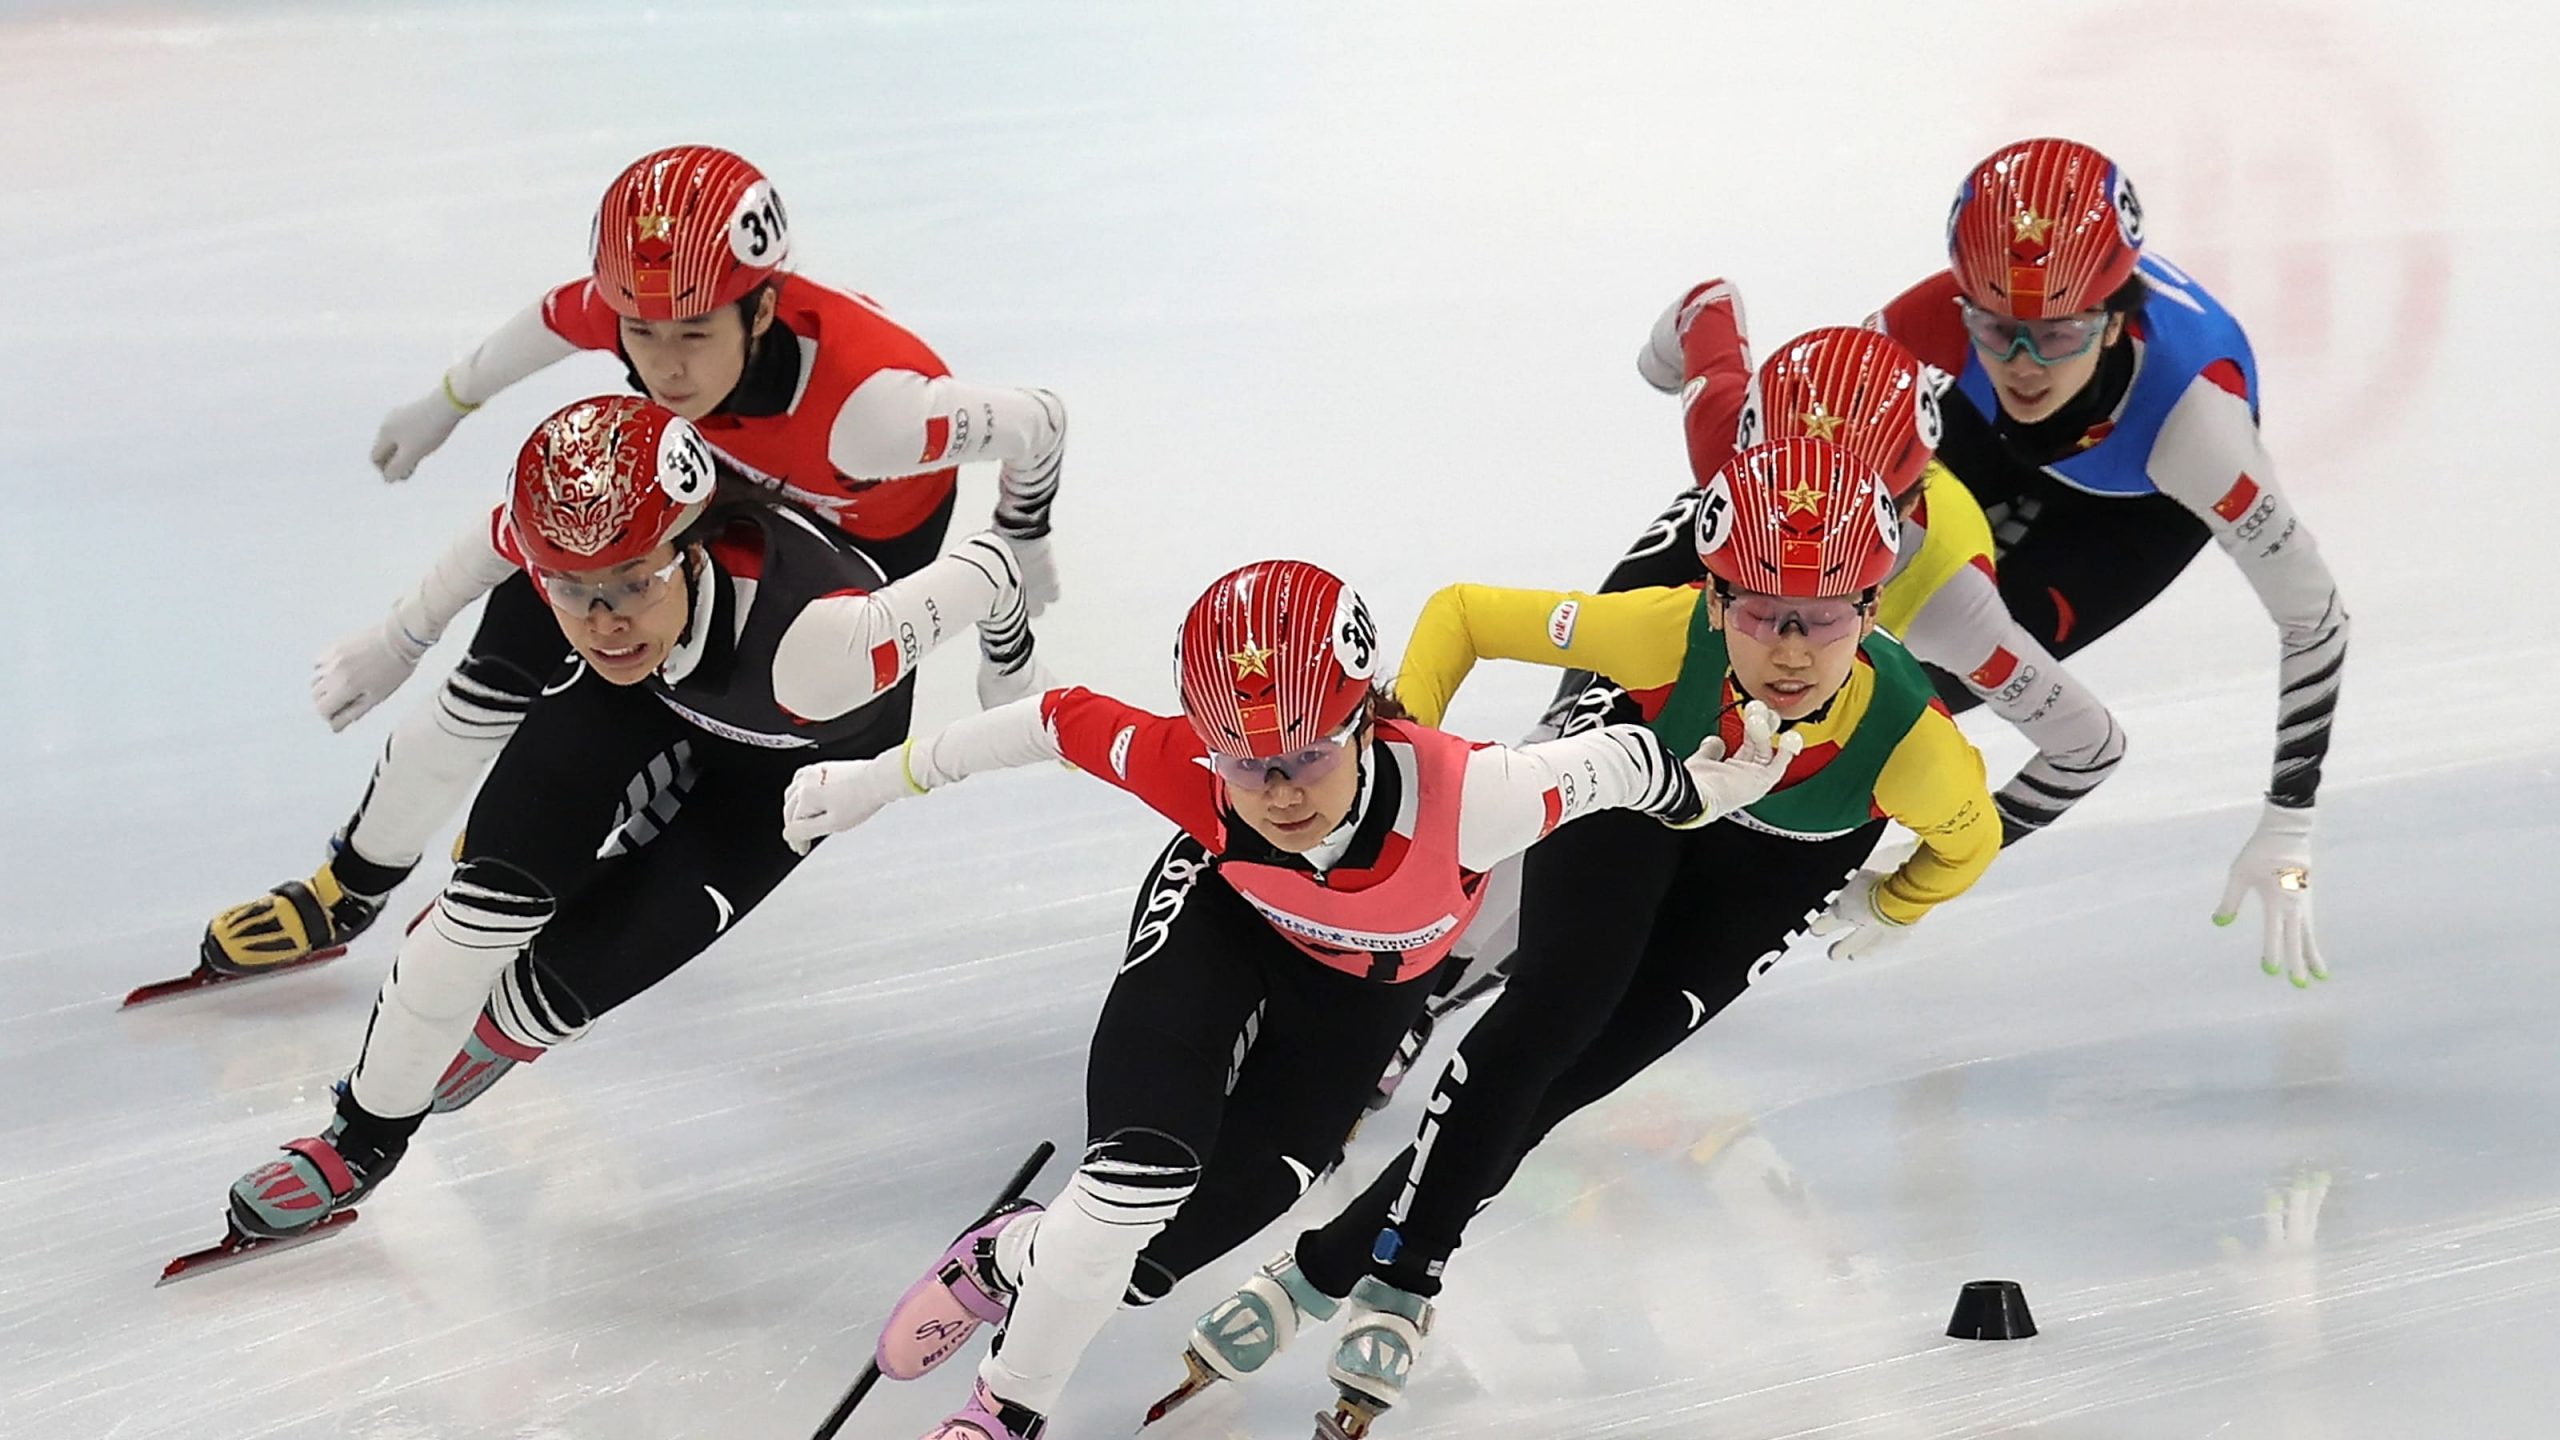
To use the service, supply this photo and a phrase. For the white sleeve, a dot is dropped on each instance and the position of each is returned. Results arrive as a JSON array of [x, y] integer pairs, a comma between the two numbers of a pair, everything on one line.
[[1005, 738], [1514, 795], [899, 422], [517, 349], [841, 652], [1966, 629], [467, 569], [2209, 459]]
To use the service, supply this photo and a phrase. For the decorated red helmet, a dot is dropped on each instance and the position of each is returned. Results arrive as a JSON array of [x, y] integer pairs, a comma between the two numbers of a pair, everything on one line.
[[685, 231], [1798, 517], [1861, 389], [605, 481], [1275, 657], [2044, 229]]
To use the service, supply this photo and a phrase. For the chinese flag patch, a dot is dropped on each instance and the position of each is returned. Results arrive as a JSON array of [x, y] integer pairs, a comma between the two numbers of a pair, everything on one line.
[[937, 438], [884, 664], [2235, 502], [1995, 672]]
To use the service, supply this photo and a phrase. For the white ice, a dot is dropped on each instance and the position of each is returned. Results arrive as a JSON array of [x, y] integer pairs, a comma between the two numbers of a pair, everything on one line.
[[1362, 282]]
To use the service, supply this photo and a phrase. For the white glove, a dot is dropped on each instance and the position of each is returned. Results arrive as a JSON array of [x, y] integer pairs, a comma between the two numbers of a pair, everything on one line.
[[1726, 785], [412, 432], [836, 795], [361, 671], [1000, 687], [1039, 570], [2276, 866], [1659, 361], [1860, 929]]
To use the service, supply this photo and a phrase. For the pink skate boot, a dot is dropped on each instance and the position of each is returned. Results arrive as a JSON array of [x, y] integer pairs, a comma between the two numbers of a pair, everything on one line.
[[987, 1418], [940, 1312]]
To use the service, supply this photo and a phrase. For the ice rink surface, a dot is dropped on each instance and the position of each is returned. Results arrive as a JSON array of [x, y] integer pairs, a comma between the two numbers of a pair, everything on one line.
[[1362, 283]]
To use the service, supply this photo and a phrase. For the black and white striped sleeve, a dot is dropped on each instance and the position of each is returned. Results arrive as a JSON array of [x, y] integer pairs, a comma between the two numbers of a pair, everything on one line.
[[2209, 458]]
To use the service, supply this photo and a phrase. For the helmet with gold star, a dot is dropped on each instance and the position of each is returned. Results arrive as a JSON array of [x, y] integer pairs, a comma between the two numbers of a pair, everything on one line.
[[1275, 657], [2042, 229], [1861, 389], [686, 230], [1798, 517]]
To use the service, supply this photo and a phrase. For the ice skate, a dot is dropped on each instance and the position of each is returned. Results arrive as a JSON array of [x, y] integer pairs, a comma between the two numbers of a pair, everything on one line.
[[961, 1292], [320, 1175], [296, 922], [987, 1418], [1242, 1333], [1374, 1356]]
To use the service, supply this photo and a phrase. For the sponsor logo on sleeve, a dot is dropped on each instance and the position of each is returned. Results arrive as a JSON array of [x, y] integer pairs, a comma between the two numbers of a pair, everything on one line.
[[2235, 502], [1560, 624], [1120, 750]]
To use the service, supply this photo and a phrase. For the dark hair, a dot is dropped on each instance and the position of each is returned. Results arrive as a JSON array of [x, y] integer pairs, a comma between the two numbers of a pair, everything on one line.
[[1383, 704]]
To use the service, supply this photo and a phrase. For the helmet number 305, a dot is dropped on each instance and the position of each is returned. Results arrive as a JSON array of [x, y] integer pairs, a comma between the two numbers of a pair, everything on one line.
[[1355, 635], [758, 233]]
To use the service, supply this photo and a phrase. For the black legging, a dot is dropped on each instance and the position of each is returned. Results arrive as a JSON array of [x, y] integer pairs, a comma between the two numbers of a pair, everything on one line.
[[1227, 1064], [626, 921], [1632, 936]]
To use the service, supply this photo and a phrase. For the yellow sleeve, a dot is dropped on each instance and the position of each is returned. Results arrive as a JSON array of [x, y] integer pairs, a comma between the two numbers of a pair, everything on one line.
[[1635, 637], [1933, 785], [1958, 534]]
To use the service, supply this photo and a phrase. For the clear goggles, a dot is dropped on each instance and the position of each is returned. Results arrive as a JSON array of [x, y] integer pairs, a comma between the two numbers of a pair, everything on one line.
[[1303, 766], [2046, 342], [626, 594], [1766, 618]]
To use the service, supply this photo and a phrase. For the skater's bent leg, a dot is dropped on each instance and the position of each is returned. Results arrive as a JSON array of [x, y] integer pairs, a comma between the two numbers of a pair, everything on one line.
[[1180, 1019], [531, 842], [1324, 1036], [442, 745]]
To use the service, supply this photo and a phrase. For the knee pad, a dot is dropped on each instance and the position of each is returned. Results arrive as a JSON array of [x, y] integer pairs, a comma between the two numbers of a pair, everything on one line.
[[1135, 1177], [532, 1005], [486, 693]]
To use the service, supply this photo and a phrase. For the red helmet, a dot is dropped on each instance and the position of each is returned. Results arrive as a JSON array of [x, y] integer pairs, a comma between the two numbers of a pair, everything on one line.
[[685, 231], [1275, 657], [2044, 229], [1861, 389], [1798, 517], [605, 481]]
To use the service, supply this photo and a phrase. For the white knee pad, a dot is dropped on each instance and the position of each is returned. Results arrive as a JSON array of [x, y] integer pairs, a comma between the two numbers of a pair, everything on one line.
[[487, 913]]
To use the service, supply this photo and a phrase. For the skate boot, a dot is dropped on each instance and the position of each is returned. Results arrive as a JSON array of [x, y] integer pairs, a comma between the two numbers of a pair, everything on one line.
[[1242, 1333], [320, 1175], [1375, 1355], [987, 1418], [961, 1292], [297, 920], [484, 1059]]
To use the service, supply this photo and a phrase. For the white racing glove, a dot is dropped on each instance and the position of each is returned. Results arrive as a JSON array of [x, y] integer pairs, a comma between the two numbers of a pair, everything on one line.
[[412, 432], [998, 686], [1859, 930], [361, 671], [1661, 362], [1719, 786], [836, 795], [2276, 867]]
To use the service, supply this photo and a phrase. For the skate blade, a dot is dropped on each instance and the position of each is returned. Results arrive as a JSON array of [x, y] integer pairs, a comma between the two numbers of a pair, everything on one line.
[[238, 1246], [205, 977], [1349, 1419], [1199, 1378]]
